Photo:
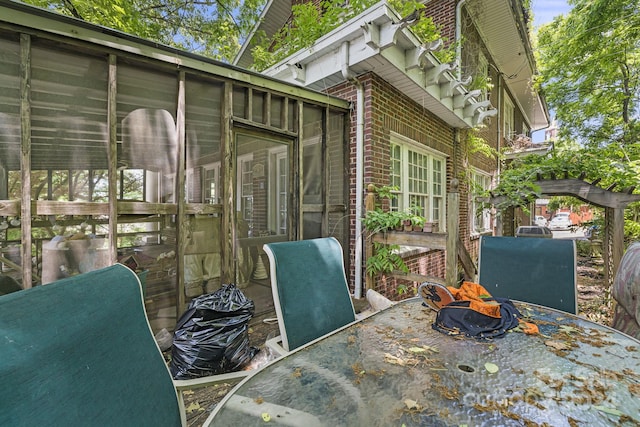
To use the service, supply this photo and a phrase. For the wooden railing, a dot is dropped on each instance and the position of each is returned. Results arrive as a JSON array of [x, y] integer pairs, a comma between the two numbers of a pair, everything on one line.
[[449, 242]]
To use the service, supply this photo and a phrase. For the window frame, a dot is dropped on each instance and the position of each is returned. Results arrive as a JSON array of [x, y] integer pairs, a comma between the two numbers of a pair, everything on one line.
[[508, 123], [435, 209], [475, 175]]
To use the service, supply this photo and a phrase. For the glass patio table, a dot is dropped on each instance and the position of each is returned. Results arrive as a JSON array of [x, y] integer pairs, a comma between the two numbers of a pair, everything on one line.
[[394, 369]]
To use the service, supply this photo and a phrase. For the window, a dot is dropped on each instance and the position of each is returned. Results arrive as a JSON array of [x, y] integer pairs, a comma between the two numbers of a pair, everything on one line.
[[481, 217], [245, 188], [509, 120], [419, 174]]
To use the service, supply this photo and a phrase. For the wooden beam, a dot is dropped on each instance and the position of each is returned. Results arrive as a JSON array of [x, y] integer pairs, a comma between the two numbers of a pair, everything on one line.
[[468, 265], [9, 207], [25, 159], [227, 274], [112, 154], [453, 235], [412, 277], [412, 238], [586, 192], [617, 251]]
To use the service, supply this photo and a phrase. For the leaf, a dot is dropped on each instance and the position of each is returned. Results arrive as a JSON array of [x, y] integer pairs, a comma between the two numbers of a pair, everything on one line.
[[558, 345], [412, 404], [568, 329], [491, 367], [611, 411], [195, 406], [393, 359], [266, 417], [417, 350]]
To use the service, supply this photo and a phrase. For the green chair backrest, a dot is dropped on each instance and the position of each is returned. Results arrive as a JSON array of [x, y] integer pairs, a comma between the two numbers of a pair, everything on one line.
[[310, 290], [536, 270], [79, 352]]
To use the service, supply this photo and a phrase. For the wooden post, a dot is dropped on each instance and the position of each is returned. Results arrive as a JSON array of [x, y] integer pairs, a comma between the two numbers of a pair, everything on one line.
[[112, 119], [25, 160], [369, 205], [617, 242], [228, 268], [453, 210], [180, 190]]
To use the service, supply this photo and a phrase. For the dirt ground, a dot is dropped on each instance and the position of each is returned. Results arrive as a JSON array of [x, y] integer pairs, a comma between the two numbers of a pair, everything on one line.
[[593, 303]]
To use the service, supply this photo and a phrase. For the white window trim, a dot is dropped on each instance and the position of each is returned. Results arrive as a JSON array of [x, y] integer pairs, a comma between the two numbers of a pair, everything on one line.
[[406, 144], [274, 200], [216, 167], [486, 214], [509, 118]]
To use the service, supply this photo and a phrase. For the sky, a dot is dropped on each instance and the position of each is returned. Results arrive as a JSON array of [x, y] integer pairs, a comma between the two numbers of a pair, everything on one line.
[[543, 12]]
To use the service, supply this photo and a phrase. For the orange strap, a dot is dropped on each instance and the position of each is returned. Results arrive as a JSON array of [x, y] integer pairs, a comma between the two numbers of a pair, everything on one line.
[[476, 294]]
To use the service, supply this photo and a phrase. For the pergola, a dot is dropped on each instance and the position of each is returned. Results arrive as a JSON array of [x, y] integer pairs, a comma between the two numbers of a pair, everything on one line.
[[613, 202]]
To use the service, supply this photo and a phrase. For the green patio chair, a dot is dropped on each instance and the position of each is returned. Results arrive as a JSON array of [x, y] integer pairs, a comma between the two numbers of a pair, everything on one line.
[[310, 291], [529, 269], [80, 352]]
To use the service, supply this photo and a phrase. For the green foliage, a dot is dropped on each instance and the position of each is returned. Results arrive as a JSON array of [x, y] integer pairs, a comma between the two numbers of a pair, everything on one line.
[[588, 62], [482, 82], [309, 23], [386, 191], [385, 260], [477, 144], [213, 28], [377, 220]]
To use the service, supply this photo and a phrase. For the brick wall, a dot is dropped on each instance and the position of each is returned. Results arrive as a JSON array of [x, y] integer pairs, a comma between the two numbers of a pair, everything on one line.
[[443, 13], [386, 110]]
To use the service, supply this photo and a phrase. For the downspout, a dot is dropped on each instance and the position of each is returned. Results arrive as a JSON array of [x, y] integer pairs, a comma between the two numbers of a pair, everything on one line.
[[348, 75], [459, 37]]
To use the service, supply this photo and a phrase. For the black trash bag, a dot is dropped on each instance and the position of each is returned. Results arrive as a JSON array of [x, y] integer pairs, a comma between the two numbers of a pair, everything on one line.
[[212, 336]]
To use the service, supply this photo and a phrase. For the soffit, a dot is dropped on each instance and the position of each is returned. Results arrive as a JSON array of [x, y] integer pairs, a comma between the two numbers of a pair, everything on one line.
[[274, 16], [502, 28]]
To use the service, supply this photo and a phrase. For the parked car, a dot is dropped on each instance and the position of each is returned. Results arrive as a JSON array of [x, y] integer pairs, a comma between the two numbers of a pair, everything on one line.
[[534, 231], [562, 221], [540, 221]]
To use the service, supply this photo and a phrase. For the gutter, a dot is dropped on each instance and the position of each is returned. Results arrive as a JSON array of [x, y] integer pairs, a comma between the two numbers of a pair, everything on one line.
[[347, 74]]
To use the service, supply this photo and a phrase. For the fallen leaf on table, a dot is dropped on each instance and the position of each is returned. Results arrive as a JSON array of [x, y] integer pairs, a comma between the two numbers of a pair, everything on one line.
[[568, 329], [558, 345], [491, 367], [611, 411], [412, 404], [393, 359], [431, 349], [195, 406]]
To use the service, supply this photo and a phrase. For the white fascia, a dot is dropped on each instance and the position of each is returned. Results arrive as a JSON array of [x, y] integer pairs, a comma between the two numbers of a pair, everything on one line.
[[379, 42]]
